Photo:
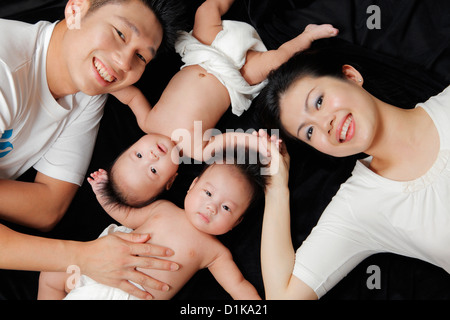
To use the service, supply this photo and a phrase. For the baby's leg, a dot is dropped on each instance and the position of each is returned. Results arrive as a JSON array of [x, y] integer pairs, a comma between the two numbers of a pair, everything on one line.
[[52, 285], [304, 40], [259, 64]]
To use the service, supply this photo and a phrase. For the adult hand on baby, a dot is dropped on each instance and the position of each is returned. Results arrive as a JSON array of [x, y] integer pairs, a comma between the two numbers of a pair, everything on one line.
[[113, 259]]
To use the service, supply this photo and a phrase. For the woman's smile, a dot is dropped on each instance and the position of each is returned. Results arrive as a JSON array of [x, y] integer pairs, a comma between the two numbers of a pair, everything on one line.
[[346, 130]]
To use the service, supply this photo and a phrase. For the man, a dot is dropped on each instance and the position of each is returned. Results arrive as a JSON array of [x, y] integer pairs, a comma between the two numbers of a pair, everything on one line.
[[53, 81]]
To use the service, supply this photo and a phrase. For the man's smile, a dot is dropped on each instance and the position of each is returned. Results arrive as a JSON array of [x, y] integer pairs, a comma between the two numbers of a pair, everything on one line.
[[103, 72]]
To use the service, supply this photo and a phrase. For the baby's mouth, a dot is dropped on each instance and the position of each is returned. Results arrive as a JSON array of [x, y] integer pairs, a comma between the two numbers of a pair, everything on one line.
[[103, 73]]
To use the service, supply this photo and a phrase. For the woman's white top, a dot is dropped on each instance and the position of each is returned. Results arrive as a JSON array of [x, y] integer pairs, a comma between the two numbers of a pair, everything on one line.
[[371, 214]]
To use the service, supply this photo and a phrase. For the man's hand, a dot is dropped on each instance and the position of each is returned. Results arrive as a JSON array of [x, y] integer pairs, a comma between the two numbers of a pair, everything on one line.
[[113, 259]]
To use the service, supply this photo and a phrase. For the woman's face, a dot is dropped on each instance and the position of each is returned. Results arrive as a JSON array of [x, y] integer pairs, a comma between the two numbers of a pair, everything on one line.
[[335, 116]]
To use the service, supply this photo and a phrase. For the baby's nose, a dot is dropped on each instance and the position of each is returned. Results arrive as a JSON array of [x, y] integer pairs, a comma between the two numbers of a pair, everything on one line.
[[211, 209], [153, 155]]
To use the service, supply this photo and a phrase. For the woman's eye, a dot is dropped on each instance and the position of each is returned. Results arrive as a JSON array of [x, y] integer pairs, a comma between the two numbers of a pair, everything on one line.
[[319, 103], [309, 133], [153, 170], [141, 57], [139, 155]]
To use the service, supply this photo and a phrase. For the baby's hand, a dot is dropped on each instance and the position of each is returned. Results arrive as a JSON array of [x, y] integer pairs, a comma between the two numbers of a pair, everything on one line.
[[97, 179], [266, 141], [277, 153]]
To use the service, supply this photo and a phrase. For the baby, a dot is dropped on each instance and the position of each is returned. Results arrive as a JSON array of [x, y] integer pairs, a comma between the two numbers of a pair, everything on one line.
[[225, 62], [215, 203]]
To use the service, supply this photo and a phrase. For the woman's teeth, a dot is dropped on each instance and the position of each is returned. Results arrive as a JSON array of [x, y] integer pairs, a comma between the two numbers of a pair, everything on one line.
[[345, 127], [103, 73]]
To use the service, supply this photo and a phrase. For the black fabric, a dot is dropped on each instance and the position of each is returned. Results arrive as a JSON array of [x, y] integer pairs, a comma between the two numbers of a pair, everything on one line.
[[412, 31]]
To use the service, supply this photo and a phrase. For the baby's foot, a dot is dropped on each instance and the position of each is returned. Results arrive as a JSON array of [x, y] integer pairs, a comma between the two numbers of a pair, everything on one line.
[[97, 180], [311, 33], [316, 32]]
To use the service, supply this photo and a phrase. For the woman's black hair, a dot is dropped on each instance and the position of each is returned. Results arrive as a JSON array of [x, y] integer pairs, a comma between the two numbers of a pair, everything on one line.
[[395, 82]]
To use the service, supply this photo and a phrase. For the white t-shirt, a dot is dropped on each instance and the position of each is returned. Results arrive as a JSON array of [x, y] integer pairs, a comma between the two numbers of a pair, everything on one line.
[[55, 137], [372, 214]]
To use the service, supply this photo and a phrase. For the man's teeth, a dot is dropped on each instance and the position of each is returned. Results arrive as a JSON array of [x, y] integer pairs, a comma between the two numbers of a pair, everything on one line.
[[345, 128], [103, 73]]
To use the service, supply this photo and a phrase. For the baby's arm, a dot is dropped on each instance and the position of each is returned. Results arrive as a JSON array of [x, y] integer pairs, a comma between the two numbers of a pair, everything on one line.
[[125, 215], [259, 64], [228, 275], [235, 141], [208, 19], [138, 103]]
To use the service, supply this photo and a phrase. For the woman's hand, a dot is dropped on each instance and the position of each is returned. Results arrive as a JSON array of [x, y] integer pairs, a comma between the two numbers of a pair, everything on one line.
[[113, 259], [276, 150]]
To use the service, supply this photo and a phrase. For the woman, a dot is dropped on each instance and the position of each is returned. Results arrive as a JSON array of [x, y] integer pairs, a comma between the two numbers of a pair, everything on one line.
[[396, 199]]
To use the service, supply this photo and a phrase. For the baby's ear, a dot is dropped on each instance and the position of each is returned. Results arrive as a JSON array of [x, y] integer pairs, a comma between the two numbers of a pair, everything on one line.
[[237, 222], [193, 184], [171, 181], [75, 10]]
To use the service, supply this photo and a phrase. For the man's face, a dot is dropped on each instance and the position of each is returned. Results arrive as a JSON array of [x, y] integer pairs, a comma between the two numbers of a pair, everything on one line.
[[111, 46]]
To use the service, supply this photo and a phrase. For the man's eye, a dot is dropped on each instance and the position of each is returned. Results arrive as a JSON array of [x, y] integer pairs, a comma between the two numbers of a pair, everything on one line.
[[141, 57], [139, 155], [120, 34]]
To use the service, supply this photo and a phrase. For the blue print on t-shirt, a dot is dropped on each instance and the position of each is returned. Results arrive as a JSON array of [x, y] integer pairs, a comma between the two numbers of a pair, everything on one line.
[[5, 146]]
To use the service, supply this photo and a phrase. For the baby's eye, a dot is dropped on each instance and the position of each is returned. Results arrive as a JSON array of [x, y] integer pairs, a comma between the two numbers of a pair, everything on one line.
[[208, 193], [153, 170], [139, 155], [226, 208], [309, 133]]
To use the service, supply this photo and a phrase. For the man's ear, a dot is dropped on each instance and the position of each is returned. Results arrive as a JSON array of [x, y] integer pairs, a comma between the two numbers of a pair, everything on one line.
[[171, 181], [352, 74], [75, 10]]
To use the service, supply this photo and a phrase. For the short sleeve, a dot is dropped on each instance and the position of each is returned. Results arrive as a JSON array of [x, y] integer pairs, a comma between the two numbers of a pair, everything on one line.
[[334, 247], [70, 155]]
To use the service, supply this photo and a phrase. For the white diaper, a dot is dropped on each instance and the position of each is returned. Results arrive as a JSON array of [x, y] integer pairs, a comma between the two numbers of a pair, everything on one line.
[[224, 59], [88, 289]]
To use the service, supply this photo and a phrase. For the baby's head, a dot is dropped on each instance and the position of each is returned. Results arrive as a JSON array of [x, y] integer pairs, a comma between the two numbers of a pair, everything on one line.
[[143, 171], [219, 197]]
